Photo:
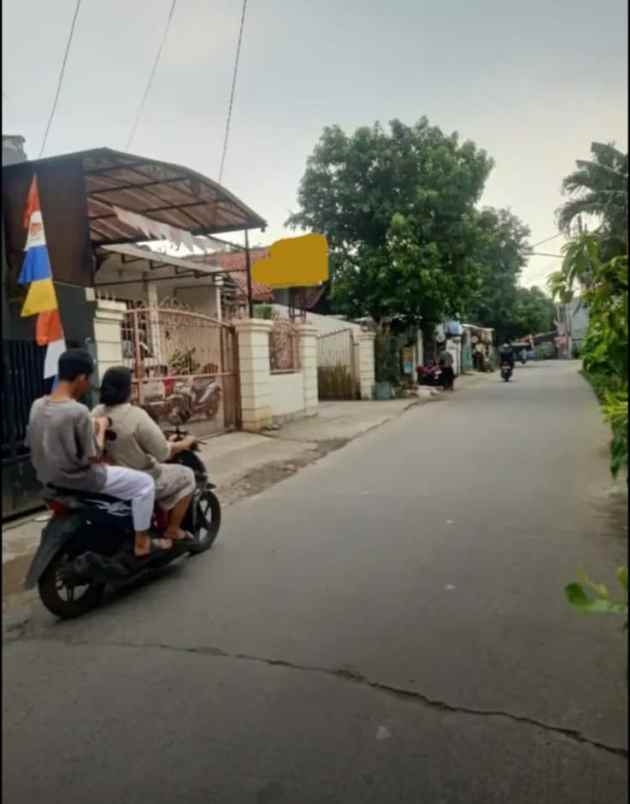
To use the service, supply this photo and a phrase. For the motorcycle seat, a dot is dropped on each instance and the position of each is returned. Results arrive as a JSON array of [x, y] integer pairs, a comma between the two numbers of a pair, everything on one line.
[[92, 495]]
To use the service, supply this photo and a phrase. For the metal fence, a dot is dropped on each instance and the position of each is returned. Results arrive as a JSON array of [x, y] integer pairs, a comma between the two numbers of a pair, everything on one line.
[[336, 365], [184, 366], [22, 383], [336, 348], [284, 353]]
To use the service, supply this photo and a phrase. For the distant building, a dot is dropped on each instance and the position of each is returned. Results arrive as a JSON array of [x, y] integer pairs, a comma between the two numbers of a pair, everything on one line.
[[13, 149], [312, 299], [572, 325]]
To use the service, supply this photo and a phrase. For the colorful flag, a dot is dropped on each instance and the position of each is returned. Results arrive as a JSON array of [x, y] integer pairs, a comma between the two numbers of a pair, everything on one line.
[[41, 299]]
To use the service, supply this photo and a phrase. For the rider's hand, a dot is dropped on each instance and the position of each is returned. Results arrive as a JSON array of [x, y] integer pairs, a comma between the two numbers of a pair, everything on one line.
[[182, 444], [101, 423]]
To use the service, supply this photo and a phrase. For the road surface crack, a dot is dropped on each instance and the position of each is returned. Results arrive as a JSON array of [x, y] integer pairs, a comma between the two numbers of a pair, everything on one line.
[[355, 677]]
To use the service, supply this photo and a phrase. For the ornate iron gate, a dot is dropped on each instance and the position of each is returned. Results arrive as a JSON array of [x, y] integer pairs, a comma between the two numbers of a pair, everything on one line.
[[185, 368], [337, 370]]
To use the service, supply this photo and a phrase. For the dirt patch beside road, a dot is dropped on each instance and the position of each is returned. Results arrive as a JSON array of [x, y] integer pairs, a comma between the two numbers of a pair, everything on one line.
[[262, 478]]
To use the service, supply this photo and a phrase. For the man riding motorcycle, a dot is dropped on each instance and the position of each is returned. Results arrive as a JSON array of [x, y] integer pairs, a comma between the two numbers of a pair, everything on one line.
[[141, 445], [66, 449], [86, 545], [506, 355]]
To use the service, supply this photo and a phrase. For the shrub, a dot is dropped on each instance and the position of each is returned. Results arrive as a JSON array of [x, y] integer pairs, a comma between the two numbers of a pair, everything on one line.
[[263, 311], [615, 406], [594, 598], [335, 383]]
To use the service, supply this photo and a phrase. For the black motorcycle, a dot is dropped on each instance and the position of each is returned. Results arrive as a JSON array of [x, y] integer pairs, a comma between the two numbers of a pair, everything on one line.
[[88, 544], [506, 371]]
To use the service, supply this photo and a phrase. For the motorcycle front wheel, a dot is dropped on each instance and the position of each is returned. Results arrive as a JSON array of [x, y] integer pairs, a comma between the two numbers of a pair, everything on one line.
[[62, 598], [208, 519]]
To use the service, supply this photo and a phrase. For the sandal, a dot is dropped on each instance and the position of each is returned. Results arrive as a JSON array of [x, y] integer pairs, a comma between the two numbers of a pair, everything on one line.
[[156, 547], [186, 538], [185, 542]]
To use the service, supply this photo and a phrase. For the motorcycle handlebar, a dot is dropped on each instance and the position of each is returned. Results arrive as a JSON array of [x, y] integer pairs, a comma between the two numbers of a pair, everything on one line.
[[181, 434]]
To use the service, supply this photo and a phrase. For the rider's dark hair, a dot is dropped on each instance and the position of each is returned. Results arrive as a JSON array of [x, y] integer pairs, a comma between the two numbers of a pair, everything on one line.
[[75, 362], [116, 386]]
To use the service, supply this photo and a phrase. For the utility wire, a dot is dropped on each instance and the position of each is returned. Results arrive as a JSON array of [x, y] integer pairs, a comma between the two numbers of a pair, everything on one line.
[[542, 254], [233, 91], [60, 80], [547, 239], [134, 127]]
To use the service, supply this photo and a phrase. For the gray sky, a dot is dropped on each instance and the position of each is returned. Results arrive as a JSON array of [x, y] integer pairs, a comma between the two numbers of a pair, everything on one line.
[[533, 83]]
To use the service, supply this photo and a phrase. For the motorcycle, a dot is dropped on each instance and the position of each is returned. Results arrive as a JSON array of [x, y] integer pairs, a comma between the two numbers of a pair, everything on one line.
[[506, 371], [201, 398], [429, 375], [87, 545]]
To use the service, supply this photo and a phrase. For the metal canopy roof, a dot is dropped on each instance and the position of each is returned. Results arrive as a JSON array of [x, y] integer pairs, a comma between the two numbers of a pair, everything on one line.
[[155, 259], [164, 192]]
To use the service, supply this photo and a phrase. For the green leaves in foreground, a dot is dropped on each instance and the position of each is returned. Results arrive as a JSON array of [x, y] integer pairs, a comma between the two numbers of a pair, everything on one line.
[[593, 598]]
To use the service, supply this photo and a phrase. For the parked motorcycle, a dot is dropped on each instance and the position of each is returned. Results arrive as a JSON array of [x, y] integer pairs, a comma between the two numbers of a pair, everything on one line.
[[429, 375], [201, 398], [88, 544], [506, 371]]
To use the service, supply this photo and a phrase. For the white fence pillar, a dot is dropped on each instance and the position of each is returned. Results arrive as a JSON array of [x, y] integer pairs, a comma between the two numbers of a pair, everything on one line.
[[254, 369], [108, 318], [356, 363], [366, 364], [419, 349], [307, 334]]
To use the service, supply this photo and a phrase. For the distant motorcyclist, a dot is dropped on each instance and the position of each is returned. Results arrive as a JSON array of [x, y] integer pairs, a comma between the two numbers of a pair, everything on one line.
[[506, 354]]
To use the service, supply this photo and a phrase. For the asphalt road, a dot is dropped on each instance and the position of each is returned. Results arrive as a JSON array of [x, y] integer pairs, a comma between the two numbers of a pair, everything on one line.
[[388, 625]]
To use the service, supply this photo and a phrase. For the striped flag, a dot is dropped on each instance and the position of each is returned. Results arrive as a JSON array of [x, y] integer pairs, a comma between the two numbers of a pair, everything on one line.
[[41, 299]]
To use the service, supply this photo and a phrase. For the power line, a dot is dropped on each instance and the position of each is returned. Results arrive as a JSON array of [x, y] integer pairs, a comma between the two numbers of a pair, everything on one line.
[[547, 239], [132, 133], [60, 80], [233, 91], [542, 254]]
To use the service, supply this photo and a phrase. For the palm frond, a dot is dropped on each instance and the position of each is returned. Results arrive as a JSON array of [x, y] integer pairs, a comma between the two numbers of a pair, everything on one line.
[[587, 205], [608, 154]]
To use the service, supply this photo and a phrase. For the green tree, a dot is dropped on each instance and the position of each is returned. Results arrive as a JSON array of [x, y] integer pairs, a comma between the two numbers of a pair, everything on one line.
[[599, 188], [534, 311], [500, 256], [398, 209], [603, 287]]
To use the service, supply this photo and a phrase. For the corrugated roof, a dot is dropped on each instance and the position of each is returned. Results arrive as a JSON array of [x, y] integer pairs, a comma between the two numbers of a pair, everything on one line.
[[149, 259], [162, 191]]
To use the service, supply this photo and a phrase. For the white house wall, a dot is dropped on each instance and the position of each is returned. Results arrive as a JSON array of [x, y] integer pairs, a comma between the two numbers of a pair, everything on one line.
[[287, 394], [323, 323]]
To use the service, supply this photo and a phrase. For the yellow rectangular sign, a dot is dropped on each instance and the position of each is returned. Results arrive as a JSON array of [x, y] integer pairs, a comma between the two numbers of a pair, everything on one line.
[[294, 262]]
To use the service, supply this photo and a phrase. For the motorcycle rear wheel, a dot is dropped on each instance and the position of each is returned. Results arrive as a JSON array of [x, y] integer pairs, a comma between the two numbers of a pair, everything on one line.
[[60, 598], [208, 517]]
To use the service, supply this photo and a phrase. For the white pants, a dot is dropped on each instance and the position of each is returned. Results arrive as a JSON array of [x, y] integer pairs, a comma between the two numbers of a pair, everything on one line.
[[135, 487]]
